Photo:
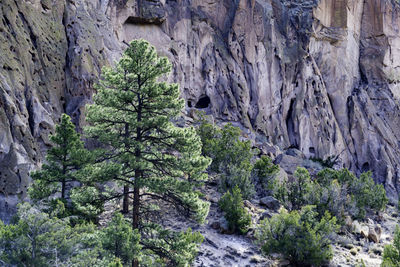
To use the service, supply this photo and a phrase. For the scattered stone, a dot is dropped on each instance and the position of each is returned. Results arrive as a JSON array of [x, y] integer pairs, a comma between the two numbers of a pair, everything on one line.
[[250, 205], [377, 250], [256, 259], [270, 202], [223, 227], [215, 225], [266, 214], [349, 246], [284, 263], [214, 200], [229, 256], [345, 241], [353, 251]]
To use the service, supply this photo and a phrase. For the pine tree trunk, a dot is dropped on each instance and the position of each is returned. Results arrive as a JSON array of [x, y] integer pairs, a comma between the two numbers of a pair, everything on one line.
[[63, 189], [136, 203], [125, 201], [135, 210], [63, 182], [138, 174]]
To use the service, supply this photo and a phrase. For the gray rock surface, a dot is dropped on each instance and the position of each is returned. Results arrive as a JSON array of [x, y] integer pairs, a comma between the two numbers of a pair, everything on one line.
[[270, 202], [318, 76]]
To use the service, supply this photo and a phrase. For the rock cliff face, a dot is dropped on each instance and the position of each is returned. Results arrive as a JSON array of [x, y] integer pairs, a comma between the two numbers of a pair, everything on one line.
[[320, 76]]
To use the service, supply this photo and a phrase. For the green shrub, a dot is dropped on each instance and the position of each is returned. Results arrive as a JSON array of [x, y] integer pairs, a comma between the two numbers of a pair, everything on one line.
[[234, 176], [299, 236], [239, 220], [231, 157], [368, 194], [343, 192], [264, 172], [326, 176], [334, 198], [297, 192], [223, 145], [207, 133], [39, 239], [391, 253]]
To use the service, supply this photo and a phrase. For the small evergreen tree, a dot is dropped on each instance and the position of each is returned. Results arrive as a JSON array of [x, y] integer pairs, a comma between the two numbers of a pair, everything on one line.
[[264, 172], [239, 220], [299, 236], [63, 160], [119, 238], [231, 157], [368, 194], [335, 199], [232, 176], [149, 157], [391, 253], [296, 193]]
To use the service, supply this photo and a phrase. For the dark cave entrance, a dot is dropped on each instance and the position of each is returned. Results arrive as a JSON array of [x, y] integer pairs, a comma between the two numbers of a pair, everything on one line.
[[204, 102]]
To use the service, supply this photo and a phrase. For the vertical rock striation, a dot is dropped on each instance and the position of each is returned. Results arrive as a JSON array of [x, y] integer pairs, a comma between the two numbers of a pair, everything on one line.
[[318, 75]]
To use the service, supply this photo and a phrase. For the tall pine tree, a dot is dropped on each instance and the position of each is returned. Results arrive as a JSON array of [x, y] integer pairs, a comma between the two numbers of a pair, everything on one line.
[[63, 160], [145, 153]]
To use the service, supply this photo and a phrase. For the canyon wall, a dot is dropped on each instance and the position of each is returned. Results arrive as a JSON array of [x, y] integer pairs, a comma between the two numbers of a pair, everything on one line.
[[320, 76]]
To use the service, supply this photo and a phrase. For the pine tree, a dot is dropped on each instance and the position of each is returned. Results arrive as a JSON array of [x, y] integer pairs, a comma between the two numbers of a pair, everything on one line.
[[145, 153], [63, 160]]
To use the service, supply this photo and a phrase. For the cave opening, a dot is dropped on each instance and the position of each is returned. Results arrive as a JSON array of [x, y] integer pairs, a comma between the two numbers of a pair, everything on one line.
[[365, 167], [203, 102]]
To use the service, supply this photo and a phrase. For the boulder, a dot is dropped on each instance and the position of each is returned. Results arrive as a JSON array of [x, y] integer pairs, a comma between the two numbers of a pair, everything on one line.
[[353, 251], [374, 233], [364, 230], [356, 227], [266, 214], [270, 202], [215, 225], [348, 221]]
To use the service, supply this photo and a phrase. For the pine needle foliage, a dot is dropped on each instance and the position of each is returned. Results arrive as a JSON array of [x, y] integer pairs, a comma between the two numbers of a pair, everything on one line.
[[231, 156], [63, 160], [144, 152], [40, 239]]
